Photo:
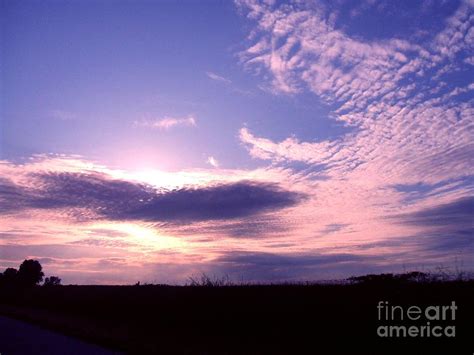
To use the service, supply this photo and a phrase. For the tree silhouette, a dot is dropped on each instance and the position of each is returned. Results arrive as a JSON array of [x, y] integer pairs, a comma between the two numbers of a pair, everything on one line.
[[52, 281], [9, 277], [30, 273]]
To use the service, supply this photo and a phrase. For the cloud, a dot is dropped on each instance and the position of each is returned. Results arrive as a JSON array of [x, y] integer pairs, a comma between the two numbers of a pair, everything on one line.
[[262, 266], [409, 113], [218, 78], [167, 123], [212, 161], [444, 234], [215, 202], [57, 251], [95, 242], [282, 260], [333, 228], [228, 83], [402, 116], [90, 196], [258, 227], [450, 217]]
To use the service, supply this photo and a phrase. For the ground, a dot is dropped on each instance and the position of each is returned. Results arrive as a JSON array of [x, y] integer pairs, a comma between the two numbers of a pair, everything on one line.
[[290, 319]]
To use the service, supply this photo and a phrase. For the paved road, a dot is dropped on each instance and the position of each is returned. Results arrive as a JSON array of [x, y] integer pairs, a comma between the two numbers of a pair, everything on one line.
[[20, 338]]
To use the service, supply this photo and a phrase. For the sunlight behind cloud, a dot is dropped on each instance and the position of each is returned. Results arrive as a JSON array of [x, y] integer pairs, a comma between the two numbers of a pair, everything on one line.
[[144, 237]]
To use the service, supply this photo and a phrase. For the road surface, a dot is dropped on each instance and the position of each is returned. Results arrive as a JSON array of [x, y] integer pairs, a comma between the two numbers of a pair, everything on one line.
[[20, 338]]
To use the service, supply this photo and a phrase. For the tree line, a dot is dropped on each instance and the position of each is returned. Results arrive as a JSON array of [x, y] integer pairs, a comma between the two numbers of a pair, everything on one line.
[[29, 274]]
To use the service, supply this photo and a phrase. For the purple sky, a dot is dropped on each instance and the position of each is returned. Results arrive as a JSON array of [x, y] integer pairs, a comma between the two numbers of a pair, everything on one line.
[[265, 140]]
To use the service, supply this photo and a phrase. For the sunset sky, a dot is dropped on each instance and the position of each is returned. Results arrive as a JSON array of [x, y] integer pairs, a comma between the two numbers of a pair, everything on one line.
[[155, 140]]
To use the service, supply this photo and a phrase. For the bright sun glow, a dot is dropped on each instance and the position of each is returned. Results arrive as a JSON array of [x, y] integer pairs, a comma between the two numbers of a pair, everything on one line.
[[142, 236]]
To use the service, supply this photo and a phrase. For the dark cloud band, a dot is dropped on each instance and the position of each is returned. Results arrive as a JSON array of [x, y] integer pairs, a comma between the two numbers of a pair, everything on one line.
[[96, 195]]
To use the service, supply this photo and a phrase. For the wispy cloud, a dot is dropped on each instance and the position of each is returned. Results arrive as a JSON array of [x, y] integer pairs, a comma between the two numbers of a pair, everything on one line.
[[167, 123], [212, 161], [404, 119], [411, 123], [229, 84], [218, 78]]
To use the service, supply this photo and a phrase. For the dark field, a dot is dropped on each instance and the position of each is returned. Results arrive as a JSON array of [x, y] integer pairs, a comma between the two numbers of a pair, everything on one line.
[[289, 319]]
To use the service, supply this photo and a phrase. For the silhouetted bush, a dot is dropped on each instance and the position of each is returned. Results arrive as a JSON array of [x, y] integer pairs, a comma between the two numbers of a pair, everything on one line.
[[52, 281], [408, 277], [207, 281]]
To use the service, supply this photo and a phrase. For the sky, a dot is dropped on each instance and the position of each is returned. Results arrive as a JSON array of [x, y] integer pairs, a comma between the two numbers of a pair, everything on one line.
[[263, 140]]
